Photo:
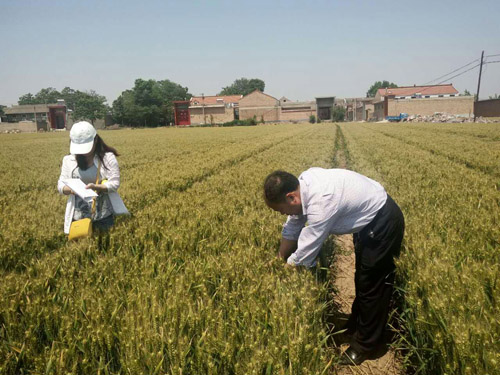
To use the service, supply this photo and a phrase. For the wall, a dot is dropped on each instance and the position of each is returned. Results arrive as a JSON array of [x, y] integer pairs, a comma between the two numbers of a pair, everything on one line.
[[460, 105], [219, 115], [487, 108], [296, 115], [260, 105], [378, 112], [23, 126]]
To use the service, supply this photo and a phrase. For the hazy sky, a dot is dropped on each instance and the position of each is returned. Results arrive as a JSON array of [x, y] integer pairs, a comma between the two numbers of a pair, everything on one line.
[[301, 49]]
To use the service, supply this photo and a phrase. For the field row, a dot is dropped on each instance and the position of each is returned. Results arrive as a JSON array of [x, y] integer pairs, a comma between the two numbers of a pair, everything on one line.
[[190, 284], [451, 261]]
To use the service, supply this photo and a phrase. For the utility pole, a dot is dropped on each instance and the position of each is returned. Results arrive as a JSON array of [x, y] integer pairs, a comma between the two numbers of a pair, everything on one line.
[[478, 85], [355, 109], [203, 107]]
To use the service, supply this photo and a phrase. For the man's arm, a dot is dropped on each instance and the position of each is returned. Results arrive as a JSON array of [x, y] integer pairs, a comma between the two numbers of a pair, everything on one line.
[[287, 247], [309, 244]]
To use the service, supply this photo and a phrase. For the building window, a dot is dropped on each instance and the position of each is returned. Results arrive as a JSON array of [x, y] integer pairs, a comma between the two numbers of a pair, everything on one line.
[[427, 96], [440, 96], [452, 95]]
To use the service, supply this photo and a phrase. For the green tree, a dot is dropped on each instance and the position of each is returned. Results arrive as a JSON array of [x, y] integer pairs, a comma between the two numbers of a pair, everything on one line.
[[466, 93], [2, 113], [48, 95], [338, 113], [372, 91], [495, 96], [243, 86], [89, 106], [149, 103], [28, 98]]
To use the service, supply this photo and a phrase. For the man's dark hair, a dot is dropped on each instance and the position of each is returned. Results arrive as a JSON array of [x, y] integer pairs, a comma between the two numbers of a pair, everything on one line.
[[278, 184]]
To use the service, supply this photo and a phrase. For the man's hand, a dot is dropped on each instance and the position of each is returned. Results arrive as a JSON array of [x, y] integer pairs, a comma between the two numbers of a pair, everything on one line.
[[287, 247], [97, 188]]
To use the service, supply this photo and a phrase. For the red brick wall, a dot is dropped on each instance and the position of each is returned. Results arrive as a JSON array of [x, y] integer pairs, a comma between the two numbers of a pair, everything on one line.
[[487, 108]]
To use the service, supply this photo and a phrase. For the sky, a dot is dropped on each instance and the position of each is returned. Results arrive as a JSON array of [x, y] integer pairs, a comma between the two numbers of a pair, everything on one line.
[[301, 49]]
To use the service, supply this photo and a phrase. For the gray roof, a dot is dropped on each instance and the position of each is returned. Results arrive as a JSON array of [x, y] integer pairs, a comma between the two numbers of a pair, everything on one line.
[[27, 108]]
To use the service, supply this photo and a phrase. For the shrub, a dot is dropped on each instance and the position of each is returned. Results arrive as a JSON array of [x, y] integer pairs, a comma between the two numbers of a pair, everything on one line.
[[312, 119], [338, 114]]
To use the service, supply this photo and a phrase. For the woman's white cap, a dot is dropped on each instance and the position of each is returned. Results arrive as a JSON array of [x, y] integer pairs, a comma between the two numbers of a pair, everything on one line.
[[82, 136]]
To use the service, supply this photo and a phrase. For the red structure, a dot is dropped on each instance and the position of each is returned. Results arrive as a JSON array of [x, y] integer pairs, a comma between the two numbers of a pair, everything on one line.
[[57, 116], [181, 112]]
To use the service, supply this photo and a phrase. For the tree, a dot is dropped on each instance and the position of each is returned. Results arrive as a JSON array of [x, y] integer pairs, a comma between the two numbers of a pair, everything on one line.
[[26, 99], [243, 86], [372, 91], [338, 113], [89, 106], [466, 93], [495, 96], [1, 110], [149, 103]]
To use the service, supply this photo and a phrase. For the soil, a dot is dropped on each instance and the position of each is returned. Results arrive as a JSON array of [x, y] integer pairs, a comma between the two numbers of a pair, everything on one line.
[[385, 362]]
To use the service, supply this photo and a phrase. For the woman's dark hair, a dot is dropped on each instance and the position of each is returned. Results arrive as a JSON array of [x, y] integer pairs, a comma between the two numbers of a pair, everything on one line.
[[100, 149], [278, 184]]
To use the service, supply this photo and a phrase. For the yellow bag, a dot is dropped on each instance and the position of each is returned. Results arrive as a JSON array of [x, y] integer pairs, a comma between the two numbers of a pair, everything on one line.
[[83, 227], [80, 228]]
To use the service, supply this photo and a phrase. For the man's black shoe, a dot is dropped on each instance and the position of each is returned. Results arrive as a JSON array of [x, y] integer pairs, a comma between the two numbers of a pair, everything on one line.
[[352, 357]]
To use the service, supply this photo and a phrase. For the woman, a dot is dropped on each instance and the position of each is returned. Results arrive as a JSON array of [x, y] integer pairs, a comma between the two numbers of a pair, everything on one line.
[[88, 154]]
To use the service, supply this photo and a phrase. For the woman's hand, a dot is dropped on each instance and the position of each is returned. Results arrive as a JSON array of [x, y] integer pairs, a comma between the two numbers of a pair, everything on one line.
[[99, 188], [68, 191]]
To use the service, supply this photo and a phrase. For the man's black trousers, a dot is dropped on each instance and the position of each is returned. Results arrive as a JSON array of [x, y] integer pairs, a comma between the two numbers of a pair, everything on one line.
[[375, 247]]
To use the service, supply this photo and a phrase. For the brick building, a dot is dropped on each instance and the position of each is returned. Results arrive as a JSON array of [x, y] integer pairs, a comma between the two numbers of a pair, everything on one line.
[[43, 116], [262, 106], [421, 100], [214, 109]]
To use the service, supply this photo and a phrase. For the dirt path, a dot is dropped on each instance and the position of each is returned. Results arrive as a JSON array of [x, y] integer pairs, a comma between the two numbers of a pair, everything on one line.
[[344, 268]]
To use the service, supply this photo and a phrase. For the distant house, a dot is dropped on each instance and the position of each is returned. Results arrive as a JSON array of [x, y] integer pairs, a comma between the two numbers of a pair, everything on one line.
[[421, 100], [44, 116], [324, 107], [417, 92], [259, 105], [358, 109], [211, 109], [269, 109]]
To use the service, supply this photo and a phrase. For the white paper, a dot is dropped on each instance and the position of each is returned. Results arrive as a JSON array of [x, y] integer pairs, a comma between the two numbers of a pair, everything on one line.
[[78, 188]]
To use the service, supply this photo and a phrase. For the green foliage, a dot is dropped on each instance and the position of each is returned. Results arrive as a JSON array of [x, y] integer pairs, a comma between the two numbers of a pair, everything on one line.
[[495, 96], [189, 284], [89, 106], [48, 95], [448, 269], [248, 122], [372, 91], [312, 119], [466, 93], [1, 110], [243, 86], [338, 114], [149, 103]]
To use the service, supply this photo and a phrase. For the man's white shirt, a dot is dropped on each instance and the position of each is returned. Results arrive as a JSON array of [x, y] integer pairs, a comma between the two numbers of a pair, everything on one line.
[[334, 201]]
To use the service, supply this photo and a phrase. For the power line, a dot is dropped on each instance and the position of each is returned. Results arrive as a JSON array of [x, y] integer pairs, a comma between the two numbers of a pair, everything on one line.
[[459, 74], [456, 70], [492, 55], [492, 62]]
